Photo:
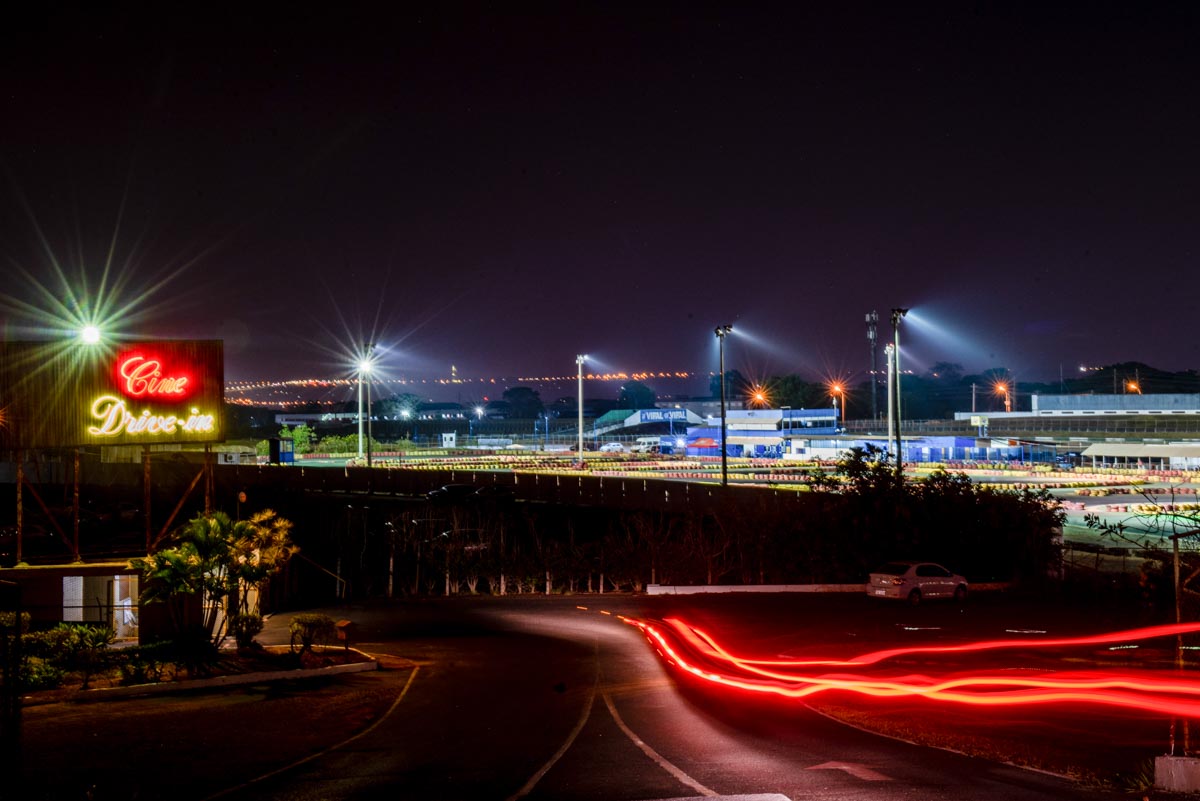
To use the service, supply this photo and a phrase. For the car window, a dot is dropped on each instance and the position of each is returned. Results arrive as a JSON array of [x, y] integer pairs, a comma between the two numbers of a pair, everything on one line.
[[892, 569]]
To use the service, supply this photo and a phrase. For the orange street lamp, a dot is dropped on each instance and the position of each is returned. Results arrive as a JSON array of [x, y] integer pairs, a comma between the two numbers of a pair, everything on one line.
[[837, 392], [1002, 389]]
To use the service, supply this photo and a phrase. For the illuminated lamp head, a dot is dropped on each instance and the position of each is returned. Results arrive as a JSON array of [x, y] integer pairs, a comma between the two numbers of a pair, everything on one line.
[[89, 334]]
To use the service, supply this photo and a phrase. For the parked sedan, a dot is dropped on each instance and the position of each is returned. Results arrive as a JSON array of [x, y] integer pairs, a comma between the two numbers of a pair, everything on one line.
[[915, 581]]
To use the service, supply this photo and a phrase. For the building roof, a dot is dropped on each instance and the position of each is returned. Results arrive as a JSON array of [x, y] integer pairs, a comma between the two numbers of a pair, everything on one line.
[[1130, 450]]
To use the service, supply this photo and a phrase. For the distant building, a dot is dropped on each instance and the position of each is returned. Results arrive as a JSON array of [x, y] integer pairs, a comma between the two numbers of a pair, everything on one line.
[[1099, 405], [765, 433], [1133, 403]]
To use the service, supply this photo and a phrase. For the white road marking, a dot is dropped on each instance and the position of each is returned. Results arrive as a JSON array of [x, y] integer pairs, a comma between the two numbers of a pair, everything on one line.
[[654, 755], [347, 741], [854, 769], [583, 719], [750, 797]]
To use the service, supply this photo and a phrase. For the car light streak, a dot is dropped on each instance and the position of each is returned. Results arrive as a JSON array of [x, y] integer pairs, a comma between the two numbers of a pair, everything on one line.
[[874, 657], [698, 654]]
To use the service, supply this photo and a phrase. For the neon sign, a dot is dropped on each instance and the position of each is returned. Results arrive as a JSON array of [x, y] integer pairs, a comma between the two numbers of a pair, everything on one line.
[[115, 419], [141, 377]]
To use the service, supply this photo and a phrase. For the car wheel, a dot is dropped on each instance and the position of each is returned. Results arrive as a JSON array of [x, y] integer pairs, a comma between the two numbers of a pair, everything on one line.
[[960, 593], [914, 598]]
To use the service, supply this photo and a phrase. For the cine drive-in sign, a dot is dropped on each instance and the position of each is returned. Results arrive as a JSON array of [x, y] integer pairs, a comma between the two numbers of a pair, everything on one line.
[[62, 394]]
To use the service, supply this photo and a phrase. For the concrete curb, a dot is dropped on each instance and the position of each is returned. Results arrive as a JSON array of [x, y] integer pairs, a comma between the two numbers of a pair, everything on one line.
[[668, 589], [241, 679]]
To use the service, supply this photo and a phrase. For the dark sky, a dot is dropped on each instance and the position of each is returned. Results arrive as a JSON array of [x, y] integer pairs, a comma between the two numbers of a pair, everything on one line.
[[501, 186]]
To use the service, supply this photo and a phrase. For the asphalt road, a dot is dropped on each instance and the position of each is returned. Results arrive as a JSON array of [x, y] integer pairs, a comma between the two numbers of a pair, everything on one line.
[[537, 698], [553, 698]]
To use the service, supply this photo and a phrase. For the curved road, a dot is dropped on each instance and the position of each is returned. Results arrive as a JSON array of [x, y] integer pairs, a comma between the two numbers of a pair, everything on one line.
[[546, 700]]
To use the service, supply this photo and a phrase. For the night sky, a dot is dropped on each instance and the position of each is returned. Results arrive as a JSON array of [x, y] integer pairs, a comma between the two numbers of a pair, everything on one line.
[[502, 186]]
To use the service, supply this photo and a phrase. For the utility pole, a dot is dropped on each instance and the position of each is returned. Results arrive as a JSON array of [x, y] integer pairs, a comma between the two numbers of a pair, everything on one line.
[[872, 338]]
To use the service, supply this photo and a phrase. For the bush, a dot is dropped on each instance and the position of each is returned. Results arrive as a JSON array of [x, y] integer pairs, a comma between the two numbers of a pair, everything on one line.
[[308, 628], [193, 651], [8, 621], [145, 664], [244, 628], [38, 674], [67, 649]]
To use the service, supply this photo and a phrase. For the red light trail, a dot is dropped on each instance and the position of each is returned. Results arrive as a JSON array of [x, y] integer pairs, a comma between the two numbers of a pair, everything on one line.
[[701, 656]]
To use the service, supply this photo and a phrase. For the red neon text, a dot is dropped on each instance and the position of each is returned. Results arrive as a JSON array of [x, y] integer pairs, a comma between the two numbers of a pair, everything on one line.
[[144, 377]]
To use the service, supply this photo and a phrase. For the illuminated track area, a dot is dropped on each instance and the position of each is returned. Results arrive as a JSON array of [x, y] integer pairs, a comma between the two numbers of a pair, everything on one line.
[[1160, 692]]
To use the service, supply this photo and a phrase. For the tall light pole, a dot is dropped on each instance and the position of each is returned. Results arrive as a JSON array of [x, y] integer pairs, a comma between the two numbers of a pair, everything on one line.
[[872, 338], [897, 316], [362, 365], [723, 331], [579, 360], [837, 392], [891, 395], [364, 368], [472, 423]]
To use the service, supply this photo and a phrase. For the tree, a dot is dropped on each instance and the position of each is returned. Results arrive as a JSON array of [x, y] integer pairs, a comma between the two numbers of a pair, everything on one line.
[[951, 372], [524, 402], [794, 391], [301, 436], [636, 395], [735, 384], [398, 406], [1009, 534], [1157, 527], [220, 560]]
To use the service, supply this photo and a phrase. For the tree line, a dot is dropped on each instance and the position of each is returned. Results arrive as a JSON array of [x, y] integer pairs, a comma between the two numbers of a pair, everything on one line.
[[843, 524]]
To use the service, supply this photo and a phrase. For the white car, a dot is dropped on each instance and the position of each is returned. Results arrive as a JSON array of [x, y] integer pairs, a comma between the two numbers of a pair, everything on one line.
[[612, 447], [915, 581]]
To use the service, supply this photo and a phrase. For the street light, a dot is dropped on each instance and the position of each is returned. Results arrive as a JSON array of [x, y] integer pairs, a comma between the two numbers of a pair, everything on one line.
[[1002, 389], [579, 360], [364, 368], [836, 391], [897, 316], [89, 334], [723, 331]]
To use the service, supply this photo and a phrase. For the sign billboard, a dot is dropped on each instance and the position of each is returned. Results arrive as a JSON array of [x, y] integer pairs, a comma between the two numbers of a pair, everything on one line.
[[66, 394], [662, 415]]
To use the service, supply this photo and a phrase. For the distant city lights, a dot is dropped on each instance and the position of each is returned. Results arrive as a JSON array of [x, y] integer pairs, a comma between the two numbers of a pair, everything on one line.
[[290, 387]]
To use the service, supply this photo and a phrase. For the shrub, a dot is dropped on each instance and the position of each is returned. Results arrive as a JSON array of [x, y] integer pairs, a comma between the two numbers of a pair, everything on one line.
[[192, 650], [244, 628], [68, 647], [144, 664], [38, 674], [8, 621], [308, 628]]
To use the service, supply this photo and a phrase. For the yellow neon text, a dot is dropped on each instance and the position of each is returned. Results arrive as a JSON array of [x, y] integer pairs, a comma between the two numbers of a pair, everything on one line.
[[114, 418]]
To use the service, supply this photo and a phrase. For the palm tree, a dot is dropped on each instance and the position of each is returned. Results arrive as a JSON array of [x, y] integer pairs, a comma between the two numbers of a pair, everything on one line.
[[222, 561]]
